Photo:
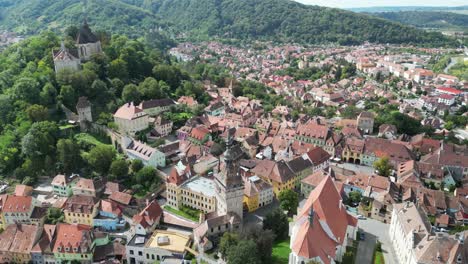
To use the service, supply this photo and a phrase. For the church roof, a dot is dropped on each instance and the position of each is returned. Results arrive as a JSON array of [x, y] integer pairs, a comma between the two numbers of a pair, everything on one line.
[[85, 35]]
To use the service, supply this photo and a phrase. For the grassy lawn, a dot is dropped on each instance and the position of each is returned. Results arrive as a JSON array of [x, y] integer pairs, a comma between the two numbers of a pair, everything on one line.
[[90, 139], [180, 213], [378, 255], [379, 258], [67, 126], [281, 252]]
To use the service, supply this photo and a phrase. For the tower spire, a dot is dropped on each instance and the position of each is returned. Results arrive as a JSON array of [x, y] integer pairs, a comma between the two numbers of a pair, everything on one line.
[[85, 12]]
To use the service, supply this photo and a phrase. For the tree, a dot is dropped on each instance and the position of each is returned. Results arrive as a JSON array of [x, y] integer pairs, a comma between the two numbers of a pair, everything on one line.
[[289, 200], [383, 166], [37, 113], [130, 93], [54, 216], [40, 139], [355, 197], [118, 69], [264, 240], [100, 158], [149, 89], [48, 94], [68, 96], [147, 175], [119, 169], [68, 155], [245, 252], [278, 222], [228, 240], [26, 89], [137, 165]]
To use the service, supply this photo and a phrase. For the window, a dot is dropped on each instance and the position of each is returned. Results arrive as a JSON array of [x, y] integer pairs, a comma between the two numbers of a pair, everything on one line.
[[140, 253], [132, 252]]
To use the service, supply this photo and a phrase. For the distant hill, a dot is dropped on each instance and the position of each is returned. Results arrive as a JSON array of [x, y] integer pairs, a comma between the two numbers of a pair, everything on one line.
[[427, 19], [278, 20], [283, 20], [376, 9], [32, 16]]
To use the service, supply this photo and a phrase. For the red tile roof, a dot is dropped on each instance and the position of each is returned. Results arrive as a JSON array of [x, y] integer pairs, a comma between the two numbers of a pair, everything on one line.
[[17, 204], [150, 215], [74, 237], [120, 197]]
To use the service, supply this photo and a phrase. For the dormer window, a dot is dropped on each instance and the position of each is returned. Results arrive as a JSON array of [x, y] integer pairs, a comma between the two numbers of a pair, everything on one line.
[[75, 249], [59, 248], [67, 249]]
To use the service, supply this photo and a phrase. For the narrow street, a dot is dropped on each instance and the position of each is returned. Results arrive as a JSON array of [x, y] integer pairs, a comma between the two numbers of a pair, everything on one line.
[[374, 231]]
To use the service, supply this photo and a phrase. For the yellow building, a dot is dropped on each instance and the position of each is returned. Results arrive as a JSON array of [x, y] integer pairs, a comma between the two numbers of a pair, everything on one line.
[[80, 210], [257, 193], [197, 192], [353, 150]]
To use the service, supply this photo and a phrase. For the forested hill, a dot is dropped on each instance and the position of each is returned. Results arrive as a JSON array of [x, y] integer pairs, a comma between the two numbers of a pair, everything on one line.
[[284, 20], [32, 16], [427, 19], [278, 20]]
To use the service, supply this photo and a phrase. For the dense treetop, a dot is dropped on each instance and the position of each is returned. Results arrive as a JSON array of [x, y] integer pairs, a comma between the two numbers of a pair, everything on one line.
[[427, 19]]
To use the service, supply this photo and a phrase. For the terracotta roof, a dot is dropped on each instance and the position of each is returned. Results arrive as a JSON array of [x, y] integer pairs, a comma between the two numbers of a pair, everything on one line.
[[80, 204], [60, 180], [17, 204], [149, 215], [327, 203], [123, 198], [77, 238], [23, 190], [111, 207], [318, 156], [128, 111], [18, 238], [305, 243]]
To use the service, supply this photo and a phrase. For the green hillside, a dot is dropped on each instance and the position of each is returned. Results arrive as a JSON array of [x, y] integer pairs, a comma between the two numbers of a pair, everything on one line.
[[32, 16], [282, 20], [278, 20], [427, 19]]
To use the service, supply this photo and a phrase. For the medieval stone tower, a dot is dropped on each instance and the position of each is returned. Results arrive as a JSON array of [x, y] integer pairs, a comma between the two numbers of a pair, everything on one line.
[[229, 184], [83, 107]]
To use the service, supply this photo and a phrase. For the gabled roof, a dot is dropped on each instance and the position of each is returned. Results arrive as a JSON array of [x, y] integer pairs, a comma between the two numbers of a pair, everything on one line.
[[85, 35], [149, 215], [327, 203]]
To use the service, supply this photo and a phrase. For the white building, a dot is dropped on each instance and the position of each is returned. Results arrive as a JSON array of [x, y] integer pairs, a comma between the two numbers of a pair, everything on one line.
[[131, 119], [415, 242], [148, 155], [446, 99]]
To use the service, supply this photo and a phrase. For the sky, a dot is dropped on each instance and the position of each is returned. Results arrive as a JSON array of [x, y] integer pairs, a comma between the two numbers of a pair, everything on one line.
[[362, 3]]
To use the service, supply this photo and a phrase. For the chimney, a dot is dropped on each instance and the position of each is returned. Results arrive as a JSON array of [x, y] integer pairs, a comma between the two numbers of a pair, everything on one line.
[[147, 202], [340, 204]]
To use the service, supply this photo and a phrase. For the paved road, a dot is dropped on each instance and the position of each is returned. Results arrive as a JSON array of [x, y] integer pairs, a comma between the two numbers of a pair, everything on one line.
[[375, 231], [453, 61], [365, 250], [354, 167], [256, 218]]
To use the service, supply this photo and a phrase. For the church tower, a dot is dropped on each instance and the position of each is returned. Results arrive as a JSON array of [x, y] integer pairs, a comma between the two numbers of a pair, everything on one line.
[[87, 43], [229, 183]]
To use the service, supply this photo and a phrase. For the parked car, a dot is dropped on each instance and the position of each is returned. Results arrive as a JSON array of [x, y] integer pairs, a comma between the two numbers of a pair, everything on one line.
[[362, 236], [361, 217]]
